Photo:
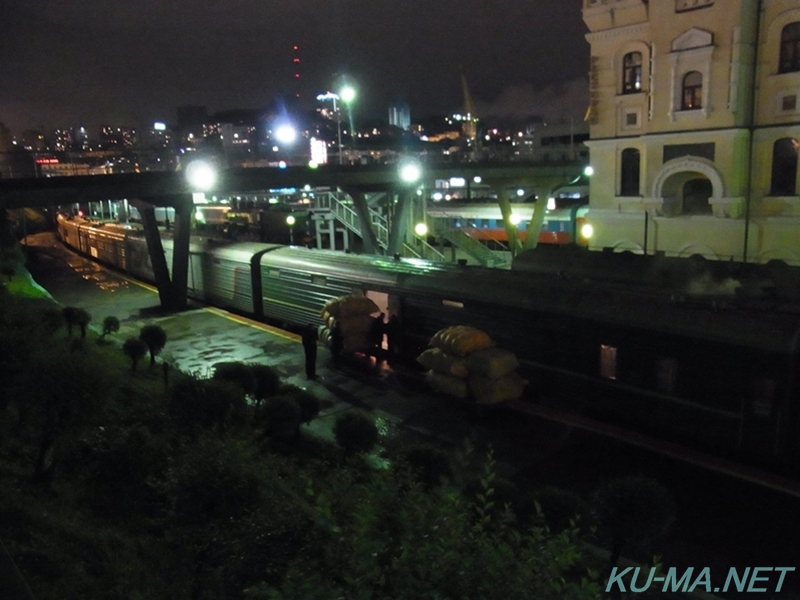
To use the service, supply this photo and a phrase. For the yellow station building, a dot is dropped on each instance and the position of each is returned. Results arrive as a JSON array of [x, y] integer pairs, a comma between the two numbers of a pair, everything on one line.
[[695, 122]]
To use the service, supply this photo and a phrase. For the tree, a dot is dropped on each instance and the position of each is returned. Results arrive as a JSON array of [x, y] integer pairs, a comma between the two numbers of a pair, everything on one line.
[[70, 317], [82, 319], [110, 325], [155, 338], [355, 433], [632, 510], [135, 349]]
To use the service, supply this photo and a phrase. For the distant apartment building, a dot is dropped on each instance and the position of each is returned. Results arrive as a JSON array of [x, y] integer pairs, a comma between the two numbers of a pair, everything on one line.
[[400, 116], [695, 122], [117, 137], [552, 142]]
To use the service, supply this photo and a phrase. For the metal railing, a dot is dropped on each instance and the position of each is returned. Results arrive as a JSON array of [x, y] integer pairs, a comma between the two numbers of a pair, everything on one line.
[[471, 246]]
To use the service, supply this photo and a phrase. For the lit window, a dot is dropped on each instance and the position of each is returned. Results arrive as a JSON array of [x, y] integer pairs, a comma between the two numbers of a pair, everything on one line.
[[632, 73], [790, 49], [608, 362], [692, 91]]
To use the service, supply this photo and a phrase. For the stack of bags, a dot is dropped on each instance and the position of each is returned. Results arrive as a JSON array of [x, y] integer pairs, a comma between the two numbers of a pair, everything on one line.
[[463, 361], [352, 315]]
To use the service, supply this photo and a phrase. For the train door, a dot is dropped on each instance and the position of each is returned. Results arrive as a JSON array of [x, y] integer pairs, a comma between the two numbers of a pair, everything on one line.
[[382, 300]]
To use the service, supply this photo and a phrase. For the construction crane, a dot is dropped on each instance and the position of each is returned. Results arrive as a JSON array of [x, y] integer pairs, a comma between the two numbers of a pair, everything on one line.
[[470, 123]]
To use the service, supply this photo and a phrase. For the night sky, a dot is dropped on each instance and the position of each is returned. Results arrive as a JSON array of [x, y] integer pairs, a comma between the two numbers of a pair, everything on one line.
[[97, 62]]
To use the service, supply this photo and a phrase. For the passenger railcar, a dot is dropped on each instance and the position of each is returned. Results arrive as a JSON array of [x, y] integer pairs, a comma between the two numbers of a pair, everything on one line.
[[561, 226], [721, 375]]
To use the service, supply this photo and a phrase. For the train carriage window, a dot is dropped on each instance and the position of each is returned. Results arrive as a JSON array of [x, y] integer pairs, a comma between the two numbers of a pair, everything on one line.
[[319, 280], [274, 272], [452, 304], [763, 396], [666, 375], [608, 361]]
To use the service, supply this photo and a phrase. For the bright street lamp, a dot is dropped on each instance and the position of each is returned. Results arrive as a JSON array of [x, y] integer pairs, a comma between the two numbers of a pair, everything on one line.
[[421, 229], [290, 221], [201, 175], [410, 172]]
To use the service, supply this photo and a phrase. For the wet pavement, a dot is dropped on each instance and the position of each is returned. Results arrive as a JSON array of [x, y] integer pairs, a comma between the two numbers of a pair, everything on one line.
[[723, 521]]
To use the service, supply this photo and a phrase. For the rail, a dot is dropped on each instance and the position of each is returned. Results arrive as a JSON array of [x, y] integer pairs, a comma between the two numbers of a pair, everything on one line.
[[335, 202], [471, 246]]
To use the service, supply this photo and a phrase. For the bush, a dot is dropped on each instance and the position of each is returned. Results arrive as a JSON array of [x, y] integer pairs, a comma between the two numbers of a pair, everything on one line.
[[559, 507], [282, 415], [205, 404], [431, 464], [355, 433], [237, 373], [268, 382], [215, 480], [309, 404], [632, 510], [134, 349]]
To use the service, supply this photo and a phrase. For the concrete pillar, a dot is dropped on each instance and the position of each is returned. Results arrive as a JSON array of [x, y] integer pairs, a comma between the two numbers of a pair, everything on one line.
[[180, 252], [332, 233], [156, 251], [397, 231], [505, 209], [365, 221]]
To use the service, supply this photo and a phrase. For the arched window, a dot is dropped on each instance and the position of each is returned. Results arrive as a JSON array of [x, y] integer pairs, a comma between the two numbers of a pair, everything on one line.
[[784, 167], [632, 73], [790, 48], [629, 174], [692, 91]]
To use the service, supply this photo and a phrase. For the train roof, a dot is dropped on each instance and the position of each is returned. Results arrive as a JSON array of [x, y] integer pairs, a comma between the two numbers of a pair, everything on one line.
[[377, 269]]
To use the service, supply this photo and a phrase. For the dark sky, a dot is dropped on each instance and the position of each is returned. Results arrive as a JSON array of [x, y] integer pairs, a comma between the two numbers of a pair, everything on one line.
[[130, 62]]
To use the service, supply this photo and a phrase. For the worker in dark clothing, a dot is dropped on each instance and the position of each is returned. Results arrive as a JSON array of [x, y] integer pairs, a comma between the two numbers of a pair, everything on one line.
[[393, 336], [310, 349], [376, 331]]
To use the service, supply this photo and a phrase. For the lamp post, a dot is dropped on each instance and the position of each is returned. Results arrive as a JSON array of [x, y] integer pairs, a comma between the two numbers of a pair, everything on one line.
[[290, 221], [347, 95]]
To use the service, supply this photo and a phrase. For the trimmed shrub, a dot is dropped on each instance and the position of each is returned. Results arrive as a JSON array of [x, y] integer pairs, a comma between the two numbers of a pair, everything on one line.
[[309, 404], [355, 433], [110, 325], [282, 415], [237, 373], [135, 349], [155, 338]]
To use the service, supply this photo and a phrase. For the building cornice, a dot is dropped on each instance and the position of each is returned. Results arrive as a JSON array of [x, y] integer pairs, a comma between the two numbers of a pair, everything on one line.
[[610, 34]]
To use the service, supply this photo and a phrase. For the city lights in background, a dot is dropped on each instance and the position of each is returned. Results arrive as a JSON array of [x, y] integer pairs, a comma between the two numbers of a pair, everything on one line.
[[319, 151]]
